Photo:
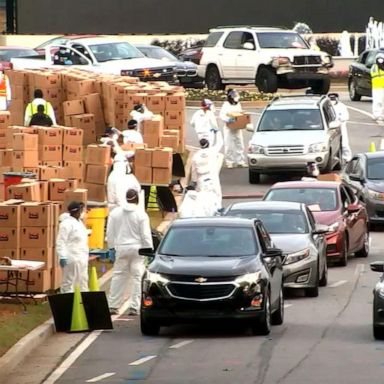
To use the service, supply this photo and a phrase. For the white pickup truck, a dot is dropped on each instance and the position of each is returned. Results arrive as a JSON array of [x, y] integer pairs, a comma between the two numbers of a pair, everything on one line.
[[101, 55]]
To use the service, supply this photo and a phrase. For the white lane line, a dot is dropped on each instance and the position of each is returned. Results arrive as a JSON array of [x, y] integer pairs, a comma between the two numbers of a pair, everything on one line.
[[181, 344], [360, 268], [101, 377], [143, 360], [360, 111], [287, 305], [59, 371], [337, 284], [123, 319]]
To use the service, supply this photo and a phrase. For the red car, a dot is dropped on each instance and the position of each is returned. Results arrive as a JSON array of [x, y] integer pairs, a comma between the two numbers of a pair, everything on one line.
[[333, 204], [9, 52], [61, 40]]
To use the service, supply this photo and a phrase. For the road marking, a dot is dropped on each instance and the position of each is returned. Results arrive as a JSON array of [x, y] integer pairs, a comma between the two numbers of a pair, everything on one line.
[[181, 344], [123, 319], [101, 377], [360, 123], [360, 268], [361, 111], [287, 305], [143, 360], [338, 284]]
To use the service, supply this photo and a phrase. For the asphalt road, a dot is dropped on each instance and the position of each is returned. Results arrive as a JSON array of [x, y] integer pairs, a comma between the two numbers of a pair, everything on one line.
[[323, 340]]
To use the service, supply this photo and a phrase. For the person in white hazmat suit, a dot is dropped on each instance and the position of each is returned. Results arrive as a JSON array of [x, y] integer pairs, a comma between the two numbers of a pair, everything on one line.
[[72, 249], [128, 230], [140, 113], [343, 116], [198, 204], [119, 181], [233, 138], [204, 122]]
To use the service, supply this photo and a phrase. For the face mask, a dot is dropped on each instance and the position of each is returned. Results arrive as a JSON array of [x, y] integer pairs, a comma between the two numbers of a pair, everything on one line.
[[236, 99]]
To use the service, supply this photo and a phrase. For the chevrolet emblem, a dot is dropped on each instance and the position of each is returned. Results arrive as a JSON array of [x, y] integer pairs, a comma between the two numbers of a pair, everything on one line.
[[201, 280]]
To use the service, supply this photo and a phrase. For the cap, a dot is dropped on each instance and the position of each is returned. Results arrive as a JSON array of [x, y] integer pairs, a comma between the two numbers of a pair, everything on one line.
[[132, 123], [206, 103], [333, 96], [75, 206], [131, 194], [204, 143], [138, 106]]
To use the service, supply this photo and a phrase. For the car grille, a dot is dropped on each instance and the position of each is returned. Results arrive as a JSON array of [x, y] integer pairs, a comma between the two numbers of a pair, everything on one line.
[[154, 74], [200, 292], [307, 60], [188, 73], [287, 150], [192, 279]]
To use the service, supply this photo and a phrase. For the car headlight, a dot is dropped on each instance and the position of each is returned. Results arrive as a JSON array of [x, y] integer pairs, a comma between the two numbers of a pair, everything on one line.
[[280, 60], [126, 72], [256, 149], [297, 256], [375, 195], [317, 147], [156, 278], [334, 227], [249, 278], [327, 59]]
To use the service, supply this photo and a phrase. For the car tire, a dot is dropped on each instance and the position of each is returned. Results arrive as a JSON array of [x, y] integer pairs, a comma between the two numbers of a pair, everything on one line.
[[213, 79], [148, 328], [277, 317], [254, 177], [266, 80], [263, 325], [344, 258], [323, 282], [353, 95], [321, 87], [378, 332], [364, 251]]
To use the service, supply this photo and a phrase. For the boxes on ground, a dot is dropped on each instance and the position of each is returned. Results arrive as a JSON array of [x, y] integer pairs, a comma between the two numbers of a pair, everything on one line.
[[36, 215], [241, 120], [97, 174], [24, 142], [174, 118], [74, 169], [73, 136], [57, 188], [162, 158], [6, 157], [175, 102], [9, 238], [40, 280], [75, 195], [13, 254], [46, 173], [38, 254], [36, 237], [170, 141], [50, 152], [85, 121], [5, 118], [98, 154], [26, 191], [154, 126], [23, 159], [50, 136], [73, 153], [56, 276]]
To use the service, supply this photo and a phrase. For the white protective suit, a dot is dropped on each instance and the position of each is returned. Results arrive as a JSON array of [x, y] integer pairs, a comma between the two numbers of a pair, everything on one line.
[[233, 138], [5, 100], [198, 204], [72, 245], [118, 183], [128, 230], [205, 125], [132, 136], [205, 169], [140, 117], [343, 116]]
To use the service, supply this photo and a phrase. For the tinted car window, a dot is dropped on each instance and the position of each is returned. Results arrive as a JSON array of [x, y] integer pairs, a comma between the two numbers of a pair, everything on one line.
[[115, 51], [234, 40], [370, 58], [157, 53], [281, 40], [324, 198], [212, 39], [7, 55], [209, 241], [375, 169]]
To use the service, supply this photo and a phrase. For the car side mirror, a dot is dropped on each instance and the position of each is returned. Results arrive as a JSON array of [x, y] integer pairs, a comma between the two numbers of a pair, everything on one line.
[[377, 266], [249, 46], [321, 229], [334, 124], [148, 252], [352, 208], [273, 252]]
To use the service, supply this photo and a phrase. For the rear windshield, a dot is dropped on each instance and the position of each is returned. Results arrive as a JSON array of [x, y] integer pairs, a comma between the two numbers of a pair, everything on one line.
[[324, 198], [291, 120], [209, 241], [375, 169], [282, 40], [212, 39]]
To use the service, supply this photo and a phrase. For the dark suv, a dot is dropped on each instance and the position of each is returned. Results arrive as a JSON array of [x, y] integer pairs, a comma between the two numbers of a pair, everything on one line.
[[214, 269]]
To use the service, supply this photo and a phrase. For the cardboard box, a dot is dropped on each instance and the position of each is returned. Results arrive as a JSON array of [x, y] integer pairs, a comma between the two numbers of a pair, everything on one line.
[[98, 154], [329, 177], [162, 158], [84, 121], [170, 141], [46, 163], [43, 186], [175, 102], [26, 192], [22, 159], [92, 104], [5, 118], [57, 188], [83, 87], [17, 109], [143, 157], [46, 173], [162, 176], [97, 174], [3, 138], [156, 102], [36, 237], [138, 98], [9, 238], [56, 277], [242, 119], [75, 169], [13, 254], [50, 152], [96, 192], [79, 194], [154, 127], [38, 254], [65, 173], [40, 280], [36, 215], [50, 136], [174, 118], [151, 141], [73, 153], [10, 216], [89, 137], [51, 80], [143, 174], [6, 157], [24, 142], [73, 136], [73, 107]]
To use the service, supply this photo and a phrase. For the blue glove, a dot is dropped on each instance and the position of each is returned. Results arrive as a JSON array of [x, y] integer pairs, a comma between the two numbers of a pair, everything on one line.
[[231, 120], [63, 263]]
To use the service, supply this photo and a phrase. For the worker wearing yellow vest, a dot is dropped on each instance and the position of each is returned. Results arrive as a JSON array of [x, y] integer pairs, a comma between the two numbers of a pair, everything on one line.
[[377, 76], [5, 91], [32, 108]]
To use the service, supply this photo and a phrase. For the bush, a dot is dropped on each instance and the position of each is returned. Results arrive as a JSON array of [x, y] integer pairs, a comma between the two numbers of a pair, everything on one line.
[[245, 95]]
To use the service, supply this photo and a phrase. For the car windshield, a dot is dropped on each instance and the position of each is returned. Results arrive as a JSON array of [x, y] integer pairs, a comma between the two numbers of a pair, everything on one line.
[[375, 169], [209, 241], [8, 54], [115, 51], [291, 120], [158, 53], [323, 198], [277, 221], [281, 40]]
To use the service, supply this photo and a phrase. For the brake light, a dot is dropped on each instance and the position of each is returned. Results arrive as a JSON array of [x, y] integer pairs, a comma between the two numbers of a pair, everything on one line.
[[199, 55]]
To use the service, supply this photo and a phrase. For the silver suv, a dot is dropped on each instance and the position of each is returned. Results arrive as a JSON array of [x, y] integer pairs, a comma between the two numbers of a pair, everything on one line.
[[293, 131]]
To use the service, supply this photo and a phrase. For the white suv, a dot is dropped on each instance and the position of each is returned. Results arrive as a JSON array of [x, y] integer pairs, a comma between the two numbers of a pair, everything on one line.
[[293, 131], [271, 58]]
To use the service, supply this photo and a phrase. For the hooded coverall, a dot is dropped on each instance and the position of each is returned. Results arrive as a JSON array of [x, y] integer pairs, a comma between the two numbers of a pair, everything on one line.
[[343, 116], [205, 125], [198, 204], [140, 117], [128, 230]]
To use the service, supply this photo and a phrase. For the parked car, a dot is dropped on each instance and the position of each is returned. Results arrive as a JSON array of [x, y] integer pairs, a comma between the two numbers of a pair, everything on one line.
[[359, 78], [186, 71], [333, 204], [293, 131], [9, 52], [270, 58], [60, 40], [223, 269], [378, 302], [293, 229]]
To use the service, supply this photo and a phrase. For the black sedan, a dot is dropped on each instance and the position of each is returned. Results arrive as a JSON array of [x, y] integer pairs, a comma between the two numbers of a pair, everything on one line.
[[185, 70], [359, 78], [378, 302], [213, 269], [365, 175]]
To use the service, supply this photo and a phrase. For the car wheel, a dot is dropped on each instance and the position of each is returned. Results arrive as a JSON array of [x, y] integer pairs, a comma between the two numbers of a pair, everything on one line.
[[263, 326], [321, 87], [254, 177], [277, 317], [378, 332], [344, 256], [213, 79], [364, 251], [266, 80], [353, 95], [324, 278], [148, 328]]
